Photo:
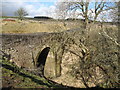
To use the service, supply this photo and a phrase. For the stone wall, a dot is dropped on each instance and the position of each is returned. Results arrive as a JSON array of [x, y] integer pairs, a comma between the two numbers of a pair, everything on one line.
[[24, 49]]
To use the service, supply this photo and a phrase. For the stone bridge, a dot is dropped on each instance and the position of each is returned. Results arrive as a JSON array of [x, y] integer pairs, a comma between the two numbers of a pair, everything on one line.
[[30, 51]]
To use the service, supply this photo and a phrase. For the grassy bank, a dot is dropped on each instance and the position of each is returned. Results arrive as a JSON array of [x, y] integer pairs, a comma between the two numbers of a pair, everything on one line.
[[14, 77]]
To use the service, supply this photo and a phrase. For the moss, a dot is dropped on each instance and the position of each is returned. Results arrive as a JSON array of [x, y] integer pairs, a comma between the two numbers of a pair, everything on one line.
[[18, 78]]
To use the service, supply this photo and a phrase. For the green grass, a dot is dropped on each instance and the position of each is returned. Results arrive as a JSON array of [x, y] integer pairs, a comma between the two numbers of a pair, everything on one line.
[[12, 76]]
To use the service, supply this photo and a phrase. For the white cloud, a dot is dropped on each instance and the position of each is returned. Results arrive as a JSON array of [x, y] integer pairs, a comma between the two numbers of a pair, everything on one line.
[[8, 8], [41, 11], [29, 0], [87, 0]]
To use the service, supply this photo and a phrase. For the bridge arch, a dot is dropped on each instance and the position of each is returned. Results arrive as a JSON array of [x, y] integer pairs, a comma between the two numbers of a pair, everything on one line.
[[41, 59], [42, 56]]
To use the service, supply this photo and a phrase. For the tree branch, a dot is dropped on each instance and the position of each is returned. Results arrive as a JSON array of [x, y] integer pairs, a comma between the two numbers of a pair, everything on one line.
[[113, 40]]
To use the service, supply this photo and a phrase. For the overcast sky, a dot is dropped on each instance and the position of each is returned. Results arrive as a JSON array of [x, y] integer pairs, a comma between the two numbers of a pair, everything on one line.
[[33, 7]]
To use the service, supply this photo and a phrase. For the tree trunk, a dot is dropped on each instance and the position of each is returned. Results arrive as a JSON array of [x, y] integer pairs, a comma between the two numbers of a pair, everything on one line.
[[85, 23], [95, 18]]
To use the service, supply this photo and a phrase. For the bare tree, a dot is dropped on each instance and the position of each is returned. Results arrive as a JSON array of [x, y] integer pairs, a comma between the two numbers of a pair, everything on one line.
[[85, 10], [114, 13], [61, 11], [21, 12]]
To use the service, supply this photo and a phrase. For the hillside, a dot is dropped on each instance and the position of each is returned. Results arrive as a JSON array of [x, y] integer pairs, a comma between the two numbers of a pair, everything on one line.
[[14, 77]]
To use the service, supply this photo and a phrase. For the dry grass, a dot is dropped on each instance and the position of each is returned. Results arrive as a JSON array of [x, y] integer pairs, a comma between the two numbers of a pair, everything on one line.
[[29, 26]]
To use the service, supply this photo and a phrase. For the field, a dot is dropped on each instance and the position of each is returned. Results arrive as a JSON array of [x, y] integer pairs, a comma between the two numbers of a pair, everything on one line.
[[32, 26]]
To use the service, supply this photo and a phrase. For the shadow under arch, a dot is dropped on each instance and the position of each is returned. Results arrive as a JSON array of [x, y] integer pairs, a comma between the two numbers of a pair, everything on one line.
[[41, 60]]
